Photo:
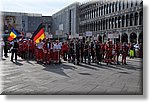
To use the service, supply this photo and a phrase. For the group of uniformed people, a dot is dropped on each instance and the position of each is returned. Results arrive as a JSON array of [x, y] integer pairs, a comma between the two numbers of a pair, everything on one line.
[[96, 51], [75, 51]]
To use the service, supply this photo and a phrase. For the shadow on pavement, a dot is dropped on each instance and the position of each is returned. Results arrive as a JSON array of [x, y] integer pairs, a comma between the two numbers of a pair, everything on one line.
[[87, 66], [58, 69], [18, 63], [30, 62]]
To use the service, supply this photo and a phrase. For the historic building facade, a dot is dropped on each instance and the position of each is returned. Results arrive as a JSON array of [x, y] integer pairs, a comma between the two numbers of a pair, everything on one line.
[[66, 20], [25, 22], [123, 18]]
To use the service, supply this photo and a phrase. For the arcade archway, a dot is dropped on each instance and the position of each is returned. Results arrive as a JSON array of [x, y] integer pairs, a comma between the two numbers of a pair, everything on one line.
[[100, 38], [117, 40], [133, 38], [124, 38], [140, 39]]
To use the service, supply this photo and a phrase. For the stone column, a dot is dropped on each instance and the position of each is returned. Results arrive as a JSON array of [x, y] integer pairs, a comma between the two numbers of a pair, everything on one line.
[[128, 33], [125, 21], [137, 34], [133, 19], [138, 18]]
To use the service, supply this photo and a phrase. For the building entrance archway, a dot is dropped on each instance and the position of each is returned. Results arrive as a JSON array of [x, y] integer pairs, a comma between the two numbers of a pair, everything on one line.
[[124, 38], [140, 38], [133, 38]]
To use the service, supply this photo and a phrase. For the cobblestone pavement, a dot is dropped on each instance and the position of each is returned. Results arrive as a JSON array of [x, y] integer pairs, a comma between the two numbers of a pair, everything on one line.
[[29, 77]]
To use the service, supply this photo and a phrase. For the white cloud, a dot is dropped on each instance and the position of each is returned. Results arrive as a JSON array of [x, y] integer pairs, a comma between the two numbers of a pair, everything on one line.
[[46, 7]]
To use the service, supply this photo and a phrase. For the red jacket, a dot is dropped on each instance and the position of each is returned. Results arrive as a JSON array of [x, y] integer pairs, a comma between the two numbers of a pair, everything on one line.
[[65, 47]]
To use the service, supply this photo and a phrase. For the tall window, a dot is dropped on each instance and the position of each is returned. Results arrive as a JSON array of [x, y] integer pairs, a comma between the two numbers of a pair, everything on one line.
[[103, 24], [131, 4], [123, 19], [127, 19], [107, 9], [123, 5], [131, 20], [136, 18], [99, 11], [116, 6], [109, 23], [113, 7], [119, 22], [116, 22], [141, 18], [106, 23], [136, 3], [110, 8], [112, 23], [119, 6], [102, 10]]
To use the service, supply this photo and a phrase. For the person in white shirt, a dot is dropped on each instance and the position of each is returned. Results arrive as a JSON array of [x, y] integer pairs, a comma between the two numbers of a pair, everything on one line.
[[39, 56], [2, 44], [56, 51]]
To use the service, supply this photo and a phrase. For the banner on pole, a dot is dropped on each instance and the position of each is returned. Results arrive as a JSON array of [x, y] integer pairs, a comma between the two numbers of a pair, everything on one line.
[[29, 35], [88, 33], [113, 35], [70, 36], [46, 34], [50, 36], [61, 27], [58, 32]]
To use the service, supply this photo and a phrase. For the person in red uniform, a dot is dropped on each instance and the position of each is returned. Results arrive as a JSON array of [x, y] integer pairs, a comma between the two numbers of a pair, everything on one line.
[[30, 48], [124, 53], [65, 51], [20, 50], [25, 49], [108, 48]]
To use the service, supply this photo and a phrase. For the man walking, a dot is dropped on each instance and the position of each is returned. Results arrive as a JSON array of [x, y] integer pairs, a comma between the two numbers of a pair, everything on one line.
[[14, 49]]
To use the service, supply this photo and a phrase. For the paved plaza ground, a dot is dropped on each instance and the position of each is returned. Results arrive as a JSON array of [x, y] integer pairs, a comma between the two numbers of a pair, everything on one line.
[[29, 77]]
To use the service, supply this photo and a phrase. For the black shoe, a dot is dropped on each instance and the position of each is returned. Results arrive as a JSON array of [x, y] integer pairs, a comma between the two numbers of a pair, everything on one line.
[[125, 63]]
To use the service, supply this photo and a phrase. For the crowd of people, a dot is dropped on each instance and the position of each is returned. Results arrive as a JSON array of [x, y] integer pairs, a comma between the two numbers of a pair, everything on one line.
[[75, 51]]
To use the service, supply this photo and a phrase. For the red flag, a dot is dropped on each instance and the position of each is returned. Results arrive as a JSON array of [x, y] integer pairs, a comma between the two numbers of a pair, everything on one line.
[[10, 38]]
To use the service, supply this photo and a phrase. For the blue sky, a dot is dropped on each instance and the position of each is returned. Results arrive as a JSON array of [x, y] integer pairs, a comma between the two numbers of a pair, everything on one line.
[[44, 7]]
